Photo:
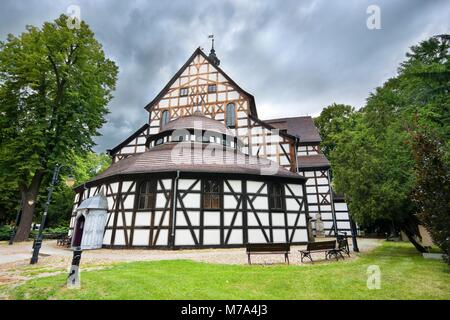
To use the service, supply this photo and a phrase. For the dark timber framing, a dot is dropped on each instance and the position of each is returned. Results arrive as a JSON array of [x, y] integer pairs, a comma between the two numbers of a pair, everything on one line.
[[239, 214]]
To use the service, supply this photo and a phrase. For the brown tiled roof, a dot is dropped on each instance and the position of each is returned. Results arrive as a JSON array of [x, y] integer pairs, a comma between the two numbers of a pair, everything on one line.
[[199, 122], [195, 157], [314, 161], [302, 127]]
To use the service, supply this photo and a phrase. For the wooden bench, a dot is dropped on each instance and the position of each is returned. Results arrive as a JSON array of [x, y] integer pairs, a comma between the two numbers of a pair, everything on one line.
[[329, 247], [269, 248]]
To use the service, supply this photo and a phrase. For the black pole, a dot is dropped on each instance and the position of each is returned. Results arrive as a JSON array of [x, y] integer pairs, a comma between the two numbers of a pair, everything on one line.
[[354, 231], [18, 216], [38, 241]]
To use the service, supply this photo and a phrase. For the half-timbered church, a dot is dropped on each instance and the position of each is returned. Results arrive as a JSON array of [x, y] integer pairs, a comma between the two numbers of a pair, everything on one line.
[[206, 171]]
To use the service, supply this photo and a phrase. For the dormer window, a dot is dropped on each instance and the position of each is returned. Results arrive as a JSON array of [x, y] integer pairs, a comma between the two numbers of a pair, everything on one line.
[[184, 92], [212, 88]]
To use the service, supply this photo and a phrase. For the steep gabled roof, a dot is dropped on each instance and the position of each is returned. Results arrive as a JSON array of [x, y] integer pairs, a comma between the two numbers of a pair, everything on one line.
[[199, 51], [302, 127]]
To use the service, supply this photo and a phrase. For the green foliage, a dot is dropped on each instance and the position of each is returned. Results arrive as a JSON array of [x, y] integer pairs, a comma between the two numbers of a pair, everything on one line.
[[84, 167], [432, 190], [9, 202], [5, 232], [51, 233], [332, 121], [373, 161], [55, 84]]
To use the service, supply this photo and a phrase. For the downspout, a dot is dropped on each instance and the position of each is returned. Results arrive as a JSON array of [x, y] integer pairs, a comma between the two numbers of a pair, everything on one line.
[[297, 139], [333, 212], [354, 232], [353, 228], [174, 206], [308, 217]]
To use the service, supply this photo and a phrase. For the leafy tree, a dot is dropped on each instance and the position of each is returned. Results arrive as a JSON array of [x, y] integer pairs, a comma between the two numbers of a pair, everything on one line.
[[332, 121], [432, 190], [55, 84], [9, 202], [373, 160]]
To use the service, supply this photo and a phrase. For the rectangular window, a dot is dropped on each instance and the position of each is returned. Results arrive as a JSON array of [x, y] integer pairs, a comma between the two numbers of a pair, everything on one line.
[[184, 92], [212, 194], [212, 88], [147, 195], [276, 197]]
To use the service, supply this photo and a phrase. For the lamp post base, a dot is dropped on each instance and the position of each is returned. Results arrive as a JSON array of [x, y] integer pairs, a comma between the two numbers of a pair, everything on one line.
[[73, 280], [11, 239], [36, 248]]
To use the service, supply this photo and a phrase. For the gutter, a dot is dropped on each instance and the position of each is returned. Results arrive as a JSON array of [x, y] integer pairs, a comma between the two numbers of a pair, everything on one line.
[[174, 206], [297, 139]]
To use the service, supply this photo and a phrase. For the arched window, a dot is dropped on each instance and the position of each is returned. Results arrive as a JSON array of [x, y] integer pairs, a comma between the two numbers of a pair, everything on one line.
[[230, 115], [276, 197], [212, 194], [147, 195], [165, 117]]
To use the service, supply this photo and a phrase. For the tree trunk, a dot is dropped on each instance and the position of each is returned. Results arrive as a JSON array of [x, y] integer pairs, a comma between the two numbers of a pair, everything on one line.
[[410, 227], [412, 239], [28, 194]]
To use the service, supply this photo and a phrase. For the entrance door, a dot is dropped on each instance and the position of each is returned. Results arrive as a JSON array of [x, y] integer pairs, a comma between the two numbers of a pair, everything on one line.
[[78, 235]]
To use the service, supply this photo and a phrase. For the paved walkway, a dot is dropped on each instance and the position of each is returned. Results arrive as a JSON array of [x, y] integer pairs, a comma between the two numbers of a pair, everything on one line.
[[21, 252]]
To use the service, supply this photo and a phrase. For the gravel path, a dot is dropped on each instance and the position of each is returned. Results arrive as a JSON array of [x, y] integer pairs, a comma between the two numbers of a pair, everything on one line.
[[21, 252]]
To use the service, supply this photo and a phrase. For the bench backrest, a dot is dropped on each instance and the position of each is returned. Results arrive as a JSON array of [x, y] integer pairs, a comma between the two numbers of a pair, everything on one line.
[[321, 245], [268, 247]]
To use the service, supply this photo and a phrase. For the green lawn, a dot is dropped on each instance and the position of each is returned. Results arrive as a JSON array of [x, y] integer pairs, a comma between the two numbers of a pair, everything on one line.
[[404, 275]]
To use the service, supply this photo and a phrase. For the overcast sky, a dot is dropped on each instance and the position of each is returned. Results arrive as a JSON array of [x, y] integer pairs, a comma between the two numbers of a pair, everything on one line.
[[295, 57]]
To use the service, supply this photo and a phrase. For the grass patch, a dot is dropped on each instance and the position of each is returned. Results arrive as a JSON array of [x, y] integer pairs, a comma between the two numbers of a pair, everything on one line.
[[404, 275]]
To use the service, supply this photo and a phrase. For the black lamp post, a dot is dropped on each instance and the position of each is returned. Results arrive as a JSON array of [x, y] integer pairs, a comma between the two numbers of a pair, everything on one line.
[[38, 241]]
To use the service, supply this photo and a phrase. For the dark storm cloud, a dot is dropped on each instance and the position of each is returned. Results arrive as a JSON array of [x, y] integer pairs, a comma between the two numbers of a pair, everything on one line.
[[295, 56]]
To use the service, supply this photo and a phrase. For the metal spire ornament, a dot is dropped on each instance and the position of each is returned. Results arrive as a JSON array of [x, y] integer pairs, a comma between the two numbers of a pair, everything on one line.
[[212, 54]]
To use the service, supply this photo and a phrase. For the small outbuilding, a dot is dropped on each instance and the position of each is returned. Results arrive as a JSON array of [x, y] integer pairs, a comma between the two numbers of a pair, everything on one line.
[[90, 222]]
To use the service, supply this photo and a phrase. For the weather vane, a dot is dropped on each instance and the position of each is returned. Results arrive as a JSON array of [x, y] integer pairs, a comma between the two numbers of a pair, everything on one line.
[[211, 36], [212, 54]]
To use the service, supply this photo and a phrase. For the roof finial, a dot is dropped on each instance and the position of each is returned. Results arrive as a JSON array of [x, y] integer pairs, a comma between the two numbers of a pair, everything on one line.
[[212, 54]]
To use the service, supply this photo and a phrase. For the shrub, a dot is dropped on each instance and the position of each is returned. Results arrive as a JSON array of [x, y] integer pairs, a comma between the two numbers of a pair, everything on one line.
[[5, 232], [51, 233]]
